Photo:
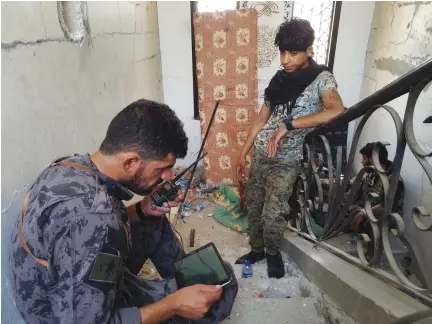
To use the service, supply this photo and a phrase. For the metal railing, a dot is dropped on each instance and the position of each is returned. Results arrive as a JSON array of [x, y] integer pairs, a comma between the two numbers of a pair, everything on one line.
[[310, 194]]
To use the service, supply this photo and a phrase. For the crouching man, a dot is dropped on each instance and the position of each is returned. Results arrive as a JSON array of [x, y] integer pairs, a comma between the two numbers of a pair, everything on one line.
[[76, 249]]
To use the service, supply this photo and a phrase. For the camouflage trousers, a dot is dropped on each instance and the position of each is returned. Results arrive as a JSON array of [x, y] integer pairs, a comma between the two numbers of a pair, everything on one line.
[[268, 189], [155, 239]]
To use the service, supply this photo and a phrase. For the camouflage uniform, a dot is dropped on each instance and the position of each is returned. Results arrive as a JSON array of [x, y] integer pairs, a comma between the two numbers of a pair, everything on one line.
[[268, 188], [78, 223], [271, 180], [371, 182]]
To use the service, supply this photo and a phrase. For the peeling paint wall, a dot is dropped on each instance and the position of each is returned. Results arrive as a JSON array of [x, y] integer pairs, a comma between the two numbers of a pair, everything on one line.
[[400, 39], [58, 98]]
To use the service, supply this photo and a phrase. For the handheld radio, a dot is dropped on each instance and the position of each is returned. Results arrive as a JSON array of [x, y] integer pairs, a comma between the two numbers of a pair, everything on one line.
[[169, 189]]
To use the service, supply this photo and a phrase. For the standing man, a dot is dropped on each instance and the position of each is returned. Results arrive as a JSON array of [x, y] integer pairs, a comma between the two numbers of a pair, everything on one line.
[[301, 95], [76, 249]]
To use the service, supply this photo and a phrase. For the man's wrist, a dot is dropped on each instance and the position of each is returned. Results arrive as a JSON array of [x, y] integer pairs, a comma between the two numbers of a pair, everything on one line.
[[172, 304], [160, 311], [288, 122]]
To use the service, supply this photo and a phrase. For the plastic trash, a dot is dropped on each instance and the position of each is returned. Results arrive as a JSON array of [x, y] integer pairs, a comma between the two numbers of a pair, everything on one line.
[[199, 207], [247, 271]]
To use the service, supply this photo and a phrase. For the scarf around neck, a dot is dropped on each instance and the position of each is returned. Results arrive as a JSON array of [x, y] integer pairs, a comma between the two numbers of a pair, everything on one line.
[[284, 87]]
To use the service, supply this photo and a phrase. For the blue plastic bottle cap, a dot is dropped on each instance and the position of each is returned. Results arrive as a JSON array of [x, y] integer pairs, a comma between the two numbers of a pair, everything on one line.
[[247, 262]]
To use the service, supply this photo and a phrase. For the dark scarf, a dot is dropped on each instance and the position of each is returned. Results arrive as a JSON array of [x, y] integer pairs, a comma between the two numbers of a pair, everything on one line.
[[286, 87]]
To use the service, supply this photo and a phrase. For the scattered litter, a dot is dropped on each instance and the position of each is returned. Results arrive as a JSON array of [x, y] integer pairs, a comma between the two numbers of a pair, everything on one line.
[[185, 213], [260, 295], [199, 207], [288, 297], [210, 215], [187, 204], [201, 217]]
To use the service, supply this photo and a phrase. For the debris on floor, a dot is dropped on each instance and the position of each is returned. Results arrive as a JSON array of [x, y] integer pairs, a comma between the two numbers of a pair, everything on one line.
[[291, 300], [260, 300]]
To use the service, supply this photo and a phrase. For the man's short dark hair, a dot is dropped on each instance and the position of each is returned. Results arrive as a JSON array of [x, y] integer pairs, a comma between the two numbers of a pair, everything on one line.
[[295, 35], [368, 149], [149, 128]]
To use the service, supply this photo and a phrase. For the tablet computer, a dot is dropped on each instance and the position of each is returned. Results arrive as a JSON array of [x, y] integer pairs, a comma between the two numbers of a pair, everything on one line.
[[202, 266]]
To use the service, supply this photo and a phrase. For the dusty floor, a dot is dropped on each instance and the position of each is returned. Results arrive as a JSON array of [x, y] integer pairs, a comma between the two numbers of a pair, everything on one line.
[[292, 299]]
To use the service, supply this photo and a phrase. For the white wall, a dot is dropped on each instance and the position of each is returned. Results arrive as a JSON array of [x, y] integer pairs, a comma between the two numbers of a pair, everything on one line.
[[58, 98], [401, 38], [177, 72], [351, 47], [350, 55]]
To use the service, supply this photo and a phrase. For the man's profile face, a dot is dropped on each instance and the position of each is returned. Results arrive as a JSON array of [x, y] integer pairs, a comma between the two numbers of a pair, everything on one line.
[[366, 161], [150, 174]]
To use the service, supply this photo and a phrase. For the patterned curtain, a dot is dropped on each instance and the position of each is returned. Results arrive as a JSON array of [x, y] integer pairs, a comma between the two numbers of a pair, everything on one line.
[[226, 67]]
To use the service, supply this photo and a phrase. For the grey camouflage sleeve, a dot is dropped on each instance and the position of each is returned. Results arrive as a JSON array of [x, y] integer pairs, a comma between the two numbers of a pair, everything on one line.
[[326, 82], [76, 296]]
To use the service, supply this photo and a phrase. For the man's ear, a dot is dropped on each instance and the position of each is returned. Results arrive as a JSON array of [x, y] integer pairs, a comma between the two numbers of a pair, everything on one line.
[[131, 162], [309, 51]]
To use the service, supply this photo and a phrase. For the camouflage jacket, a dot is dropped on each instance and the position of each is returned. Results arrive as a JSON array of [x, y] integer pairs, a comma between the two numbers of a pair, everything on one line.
[[371, 182], [79, 225], [309, 102]]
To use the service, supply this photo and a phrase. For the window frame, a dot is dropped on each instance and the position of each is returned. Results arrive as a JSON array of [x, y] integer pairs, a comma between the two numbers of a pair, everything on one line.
[[334, 31]]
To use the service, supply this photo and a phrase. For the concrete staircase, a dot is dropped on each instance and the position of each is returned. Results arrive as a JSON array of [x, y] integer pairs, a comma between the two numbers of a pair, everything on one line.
[[290, 300]]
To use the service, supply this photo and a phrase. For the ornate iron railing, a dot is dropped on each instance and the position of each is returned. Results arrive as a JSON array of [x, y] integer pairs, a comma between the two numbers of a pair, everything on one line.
[[309, 193]]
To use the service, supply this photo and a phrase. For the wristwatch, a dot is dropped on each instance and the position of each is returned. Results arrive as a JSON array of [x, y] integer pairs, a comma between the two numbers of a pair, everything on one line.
[[288, 123]]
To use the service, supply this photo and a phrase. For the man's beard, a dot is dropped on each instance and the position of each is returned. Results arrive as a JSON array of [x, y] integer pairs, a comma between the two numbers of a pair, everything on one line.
[[135, 187]]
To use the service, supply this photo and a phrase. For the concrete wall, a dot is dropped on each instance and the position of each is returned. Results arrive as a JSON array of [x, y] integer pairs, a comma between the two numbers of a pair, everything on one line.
[[177, 78], [351, 47], [58, 98], [401, 38]]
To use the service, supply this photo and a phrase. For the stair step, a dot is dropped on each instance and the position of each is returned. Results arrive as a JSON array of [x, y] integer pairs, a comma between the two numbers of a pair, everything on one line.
[[295, 310]]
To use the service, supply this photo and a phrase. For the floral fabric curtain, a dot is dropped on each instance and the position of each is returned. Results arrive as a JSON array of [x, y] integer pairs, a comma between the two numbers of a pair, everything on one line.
[[226, 68]]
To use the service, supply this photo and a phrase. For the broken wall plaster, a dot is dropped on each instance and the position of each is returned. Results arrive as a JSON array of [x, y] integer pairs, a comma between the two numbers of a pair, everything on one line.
[[73, 19], [148, 57], [399, 67], [16, 43], [395, 66], [413, 3]]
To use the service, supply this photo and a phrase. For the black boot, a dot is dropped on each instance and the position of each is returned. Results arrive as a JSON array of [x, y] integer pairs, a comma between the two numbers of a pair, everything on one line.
[[252, 256], [275, 266]]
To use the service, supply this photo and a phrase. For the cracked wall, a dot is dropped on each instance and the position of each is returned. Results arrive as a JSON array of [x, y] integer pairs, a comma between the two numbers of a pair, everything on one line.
[[400, 39], [58, 98]]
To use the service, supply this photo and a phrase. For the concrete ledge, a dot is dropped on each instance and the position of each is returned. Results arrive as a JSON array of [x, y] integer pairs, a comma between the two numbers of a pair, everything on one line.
[[365, 298]]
